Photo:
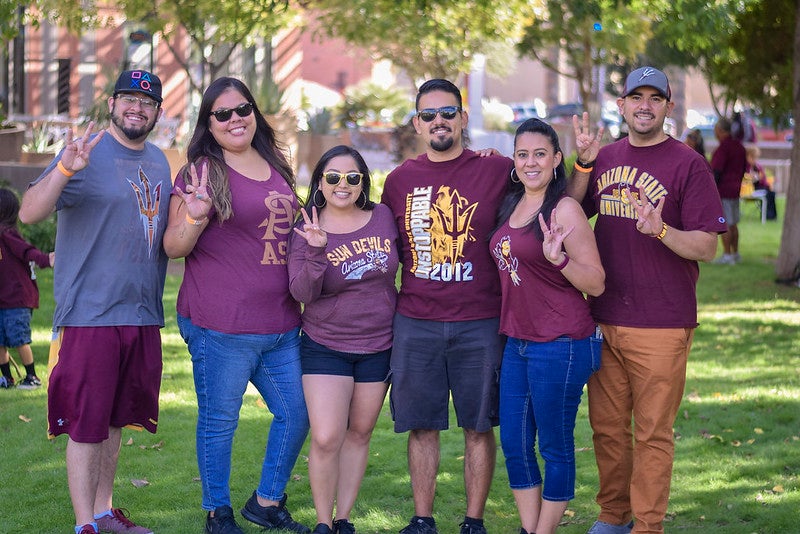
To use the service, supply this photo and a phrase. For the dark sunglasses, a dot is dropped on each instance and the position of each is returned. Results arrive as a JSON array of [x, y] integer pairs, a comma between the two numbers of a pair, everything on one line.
[[225, 114], [333, 178], [447, 113]]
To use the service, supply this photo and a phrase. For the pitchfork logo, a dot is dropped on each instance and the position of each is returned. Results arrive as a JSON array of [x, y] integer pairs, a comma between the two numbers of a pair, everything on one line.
[[149, 203], [647, 72]]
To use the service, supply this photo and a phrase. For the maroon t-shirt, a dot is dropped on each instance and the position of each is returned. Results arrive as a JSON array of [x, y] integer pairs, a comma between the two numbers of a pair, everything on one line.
[[445, 212], [539, 303], [730, 161], [648, 285], [348, 287], [236, 279], [17, 288]]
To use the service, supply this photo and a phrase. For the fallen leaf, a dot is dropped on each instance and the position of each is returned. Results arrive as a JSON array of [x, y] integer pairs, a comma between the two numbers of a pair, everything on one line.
[[758, 430], [157, 445], [750, 441], [736, 443], [129, 442], [686, 414], [569, 513], [139, 482], [24, 419], [778, 489]]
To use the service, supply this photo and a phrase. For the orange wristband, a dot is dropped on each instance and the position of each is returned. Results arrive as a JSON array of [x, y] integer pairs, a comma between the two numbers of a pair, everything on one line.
[[63, 170], [194, 222]]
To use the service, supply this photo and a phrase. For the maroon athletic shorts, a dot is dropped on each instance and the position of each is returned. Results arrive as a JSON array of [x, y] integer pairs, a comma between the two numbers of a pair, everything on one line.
[[103, 377]]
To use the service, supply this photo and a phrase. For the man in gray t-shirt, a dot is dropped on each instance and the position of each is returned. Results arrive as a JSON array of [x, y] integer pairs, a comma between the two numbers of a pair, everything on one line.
[[109, 280]]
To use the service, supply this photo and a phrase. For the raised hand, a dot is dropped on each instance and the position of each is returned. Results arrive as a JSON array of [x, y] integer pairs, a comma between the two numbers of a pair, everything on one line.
[[553, 238], [587, 145], [76, 151], [198, 202], [311, 232], [649, 221]]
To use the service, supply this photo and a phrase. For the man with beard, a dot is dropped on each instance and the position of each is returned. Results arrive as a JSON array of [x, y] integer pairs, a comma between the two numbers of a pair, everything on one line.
[[109, 281], [658, 214], [446, 337]]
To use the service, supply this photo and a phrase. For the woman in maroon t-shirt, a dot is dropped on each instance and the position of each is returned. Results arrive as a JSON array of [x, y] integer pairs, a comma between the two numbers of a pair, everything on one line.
[[547, 257]]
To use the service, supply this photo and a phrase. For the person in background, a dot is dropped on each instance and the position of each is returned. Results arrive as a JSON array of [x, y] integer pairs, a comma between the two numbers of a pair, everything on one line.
[[729, 163], [694, 139], [446, 338], [342, 256], [658, 214], [19, 295], [108, 287], [230, 215], [761, 182], [547, 258]]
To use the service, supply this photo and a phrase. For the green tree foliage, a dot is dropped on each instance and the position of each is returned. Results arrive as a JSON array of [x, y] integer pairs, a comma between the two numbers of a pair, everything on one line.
[[74, 15], [428, 38], [215, 28], [588, 34]]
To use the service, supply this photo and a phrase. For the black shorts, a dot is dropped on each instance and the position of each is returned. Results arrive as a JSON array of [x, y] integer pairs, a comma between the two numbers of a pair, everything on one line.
[[432, 360], [317, 359]]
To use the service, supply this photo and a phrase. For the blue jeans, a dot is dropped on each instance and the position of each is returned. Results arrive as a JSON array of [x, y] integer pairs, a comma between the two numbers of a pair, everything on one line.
[[540, 389], [223, 364]]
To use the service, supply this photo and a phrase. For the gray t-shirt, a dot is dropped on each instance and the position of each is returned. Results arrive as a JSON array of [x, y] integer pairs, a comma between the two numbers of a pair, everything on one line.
[[111, 219]]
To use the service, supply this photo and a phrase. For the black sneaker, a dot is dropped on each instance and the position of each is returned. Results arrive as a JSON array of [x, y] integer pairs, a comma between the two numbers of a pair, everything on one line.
[[222, 522], [29, 382], [343, 526], [322, 528], [6, 382], [272, 517], [418, 526], [472, 528]]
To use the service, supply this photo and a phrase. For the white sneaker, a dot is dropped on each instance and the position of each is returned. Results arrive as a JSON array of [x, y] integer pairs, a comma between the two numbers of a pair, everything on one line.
[[725, 259]]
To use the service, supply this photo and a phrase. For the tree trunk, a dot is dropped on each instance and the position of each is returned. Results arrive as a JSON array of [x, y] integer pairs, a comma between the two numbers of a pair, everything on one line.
[[787, 267]]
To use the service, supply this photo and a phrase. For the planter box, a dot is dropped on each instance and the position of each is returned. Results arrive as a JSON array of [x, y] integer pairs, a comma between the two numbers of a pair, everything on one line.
[[11, 141], [36, 158]]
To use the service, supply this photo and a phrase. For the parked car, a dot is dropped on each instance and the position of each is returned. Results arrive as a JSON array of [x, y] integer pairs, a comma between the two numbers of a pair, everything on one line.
[[524, 111]]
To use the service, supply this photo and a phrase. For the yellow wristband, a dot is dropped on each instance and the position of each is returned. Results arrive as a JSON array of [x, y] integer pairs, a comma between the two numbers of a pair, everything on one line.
[[663, 231], [193, 222], [66, 172], [581, 168]]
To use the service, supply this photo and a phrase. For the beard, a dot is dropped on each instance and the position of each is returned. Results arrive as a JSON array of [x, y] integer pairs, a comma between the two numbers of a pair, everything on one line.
[[132, 133], [442, 145]]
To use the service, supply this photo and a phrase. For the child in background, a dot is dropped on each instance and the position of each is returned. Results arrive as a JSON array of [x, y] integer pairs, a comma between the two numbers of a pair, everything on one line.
[[18, 292]]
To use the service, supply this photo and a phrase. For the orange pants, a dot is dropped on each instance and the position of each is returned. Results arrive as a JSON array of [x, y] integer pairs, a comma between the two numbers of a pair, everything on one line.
[[641, 379]]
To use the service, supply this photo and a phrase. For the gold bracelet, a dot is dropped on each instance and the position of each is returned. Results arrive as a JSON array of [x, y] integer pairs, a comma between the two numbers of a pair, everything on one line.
[[581, 168], [194, 222], [66, 172], [663, 231]]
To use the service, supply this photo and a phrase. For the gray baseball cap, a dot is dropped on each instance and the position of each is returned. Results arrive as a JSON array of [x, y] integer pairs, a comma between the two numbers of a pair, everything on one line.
[[647, 77]]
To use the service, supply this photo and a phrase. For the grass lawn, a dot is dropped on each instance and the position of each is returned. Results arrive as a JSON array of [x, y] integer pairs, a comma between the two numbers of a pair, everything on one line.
[[737, 435]]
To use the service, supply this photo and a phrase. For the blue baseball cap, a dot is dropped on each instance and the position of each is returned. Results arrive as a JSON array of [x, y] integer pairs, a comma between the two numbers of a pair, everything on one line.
[[647, 77], [139, 81]]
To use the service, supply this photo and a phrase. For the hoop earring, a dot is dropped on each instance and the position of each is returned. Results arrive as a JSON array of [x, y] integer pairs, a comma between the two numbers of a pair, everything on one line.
[[316, 199], [514, 177], [361, 201]]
